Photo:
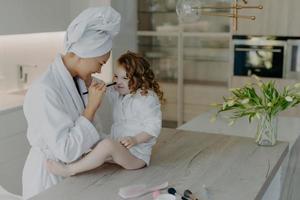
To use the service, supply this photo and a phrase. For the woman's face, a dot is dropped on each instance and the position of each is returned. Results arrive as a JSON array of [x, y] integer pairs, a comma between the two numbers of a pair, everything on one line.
[[122, 81], [87, 66]]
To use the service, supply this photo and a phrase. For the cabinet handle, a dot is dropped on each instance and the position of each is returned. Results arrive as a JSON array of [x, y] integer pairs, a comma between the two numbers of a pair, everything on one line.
[[258, 49]]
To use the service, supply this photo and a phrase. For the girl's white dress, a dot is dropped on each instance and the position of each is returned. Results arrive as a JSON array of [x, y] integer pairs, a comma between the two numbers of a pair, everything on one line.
[[134, 114]]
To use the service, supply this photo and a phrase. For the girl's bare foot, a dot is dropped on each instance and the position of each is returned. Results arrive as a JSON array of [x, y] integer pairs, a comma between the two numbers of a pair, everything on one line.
[[58, 168]]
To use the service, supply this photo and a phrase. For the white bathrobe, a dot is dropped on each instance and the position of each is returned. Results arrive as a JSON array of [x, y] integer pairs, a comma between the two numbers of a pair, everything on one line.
[[56, 128], [134, 114]]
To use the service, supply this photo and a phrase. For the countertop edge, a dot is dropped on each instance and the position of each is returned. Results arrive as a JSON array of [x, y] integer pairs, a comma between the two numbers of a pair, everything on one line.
[[272, 174]]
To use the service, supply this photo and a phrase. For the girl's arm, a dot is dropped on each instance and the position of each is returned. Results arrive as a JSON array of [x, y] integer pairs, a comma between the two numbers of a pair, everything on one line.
[[129, 142]]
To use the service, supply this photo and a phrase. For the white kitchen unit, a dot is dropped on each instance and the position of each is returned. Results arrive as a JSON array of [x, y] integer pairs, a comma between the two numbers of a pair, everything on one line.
[[277, 18], [191, 61], [197, 99], [13, 143]]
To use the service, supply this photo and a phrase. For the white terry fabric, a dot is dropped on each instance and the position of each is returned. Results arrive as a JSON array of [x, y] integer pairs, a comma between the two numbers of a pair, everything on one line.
[[133, 114], [56, 128], [90, 33]]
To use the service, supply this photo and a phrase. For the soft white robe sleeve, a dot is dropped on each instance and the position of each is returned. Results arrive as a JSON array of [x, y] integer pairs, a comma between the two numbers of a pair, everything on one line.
[[67, 139], [150, 113]]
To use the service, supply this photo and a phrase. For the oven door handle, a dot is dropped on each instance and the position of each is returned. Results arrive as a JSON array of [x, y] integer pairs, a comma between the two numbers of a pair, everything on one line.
[[257, 49]]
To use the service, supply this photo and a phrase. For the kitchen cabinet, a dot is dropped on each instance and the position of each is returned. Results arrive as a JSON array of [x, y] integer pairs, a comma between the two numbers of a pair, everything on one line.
[[127, 37], [197, 99], [277, 18], [30, 16], [14, 148], [269, 21], [187, 59], [293, 22]]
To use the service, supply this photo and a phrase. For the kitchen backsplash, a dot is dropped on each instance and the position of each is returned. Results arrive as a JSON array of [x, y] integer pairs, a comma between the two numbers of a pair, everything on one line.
[[38, 49], [35, 51]]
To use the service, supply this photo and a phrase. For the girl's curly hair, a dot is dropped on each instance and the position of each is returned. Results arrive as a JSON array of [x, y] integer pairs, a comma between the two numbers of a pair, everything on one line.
[[140, 74]]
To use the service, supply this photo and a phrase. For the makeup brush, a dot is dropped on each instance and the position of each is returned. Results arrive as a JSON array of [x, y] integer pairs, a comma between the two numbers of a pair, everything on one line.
[[110, 84], [107, 85], [189, 194], [175, 193]]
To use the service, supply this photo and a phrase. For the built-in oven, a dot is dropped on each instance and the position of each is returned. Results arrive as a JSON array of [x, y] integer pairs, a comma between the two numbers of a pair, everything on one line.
[[259, 56], [293, 59]]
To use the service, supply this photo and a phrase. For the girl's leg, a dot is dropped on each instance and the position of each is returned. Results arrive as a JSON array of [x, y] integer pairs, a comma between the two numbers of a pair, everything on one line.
[[105, 149]]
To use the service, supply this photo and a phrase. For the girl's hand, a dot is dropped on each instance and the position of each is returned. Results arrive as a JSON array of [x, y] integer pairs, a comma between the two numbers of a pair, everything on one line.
[[128, 142]]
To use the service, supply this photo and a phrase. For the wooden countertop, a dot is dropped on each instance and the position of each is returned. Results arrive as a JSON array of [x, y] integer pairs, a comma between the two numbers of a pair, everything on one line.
[[231, 167]]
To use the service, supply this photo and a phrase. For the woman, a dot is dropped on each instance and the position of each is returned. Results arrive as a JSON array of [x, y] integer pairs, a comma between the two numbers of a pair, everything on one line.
[[58, 110]]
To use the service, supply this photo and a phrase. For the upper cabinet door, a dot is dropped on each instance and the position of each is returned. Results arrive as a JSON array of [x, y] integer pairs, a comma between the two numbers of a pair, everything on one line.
[[272, 20], [32, 16], [293, 22]]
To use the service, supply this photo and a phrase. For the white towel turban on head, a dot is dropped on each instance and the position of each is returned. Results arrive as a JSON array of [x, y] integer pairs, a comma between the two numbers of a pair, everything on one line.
[[90, 33]]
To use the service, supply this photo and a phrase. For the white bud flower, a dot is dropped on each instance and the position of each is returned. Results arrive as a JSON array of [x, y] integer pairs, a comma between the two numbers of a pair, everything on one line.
[[257, 115], [297, 85], [231, 103], [224, 106], [288, 98], [233, 89], [245, 101]]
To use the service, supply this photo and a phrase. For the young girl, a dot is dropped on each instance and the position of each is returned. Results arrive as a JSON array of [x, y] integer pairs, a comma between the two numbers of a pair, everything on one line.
[[136, 120]]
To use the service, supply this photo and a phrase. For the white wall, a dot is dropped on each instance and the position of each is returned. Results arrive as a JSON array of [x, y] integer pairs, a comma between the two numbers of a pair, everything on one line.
[[76, 6], [38, 49], [33, 16], [127, 38], [30, 49], [41, 48]]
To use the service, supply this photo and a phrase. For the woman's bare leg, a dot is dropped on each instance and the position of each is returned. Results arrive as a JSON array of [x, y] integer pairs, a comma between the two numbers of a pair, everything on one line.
[[104, 150]]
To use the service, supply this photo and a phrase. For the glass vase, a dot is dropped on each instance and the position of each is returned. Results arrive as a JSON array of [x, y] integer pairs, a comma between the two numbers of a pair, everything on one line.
[[266, 134]]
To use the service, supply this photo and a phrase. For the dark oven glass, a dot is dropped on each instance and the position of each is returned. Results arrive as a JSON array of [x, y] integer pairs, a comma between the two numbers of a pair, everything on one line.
[[265, 61]]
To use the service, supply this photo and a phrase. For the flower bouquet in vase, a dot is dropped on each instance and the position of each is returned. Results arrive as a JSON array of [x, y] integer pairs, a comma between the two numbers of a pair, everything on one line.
[[262, 101]]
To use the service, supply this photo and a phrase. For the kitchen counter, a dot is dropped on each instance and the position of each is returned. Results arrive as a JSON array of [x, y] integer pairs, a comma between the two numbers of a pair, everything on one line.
[[288, 127], [231, 167], [286, 182], [14, 146], [11, 100]]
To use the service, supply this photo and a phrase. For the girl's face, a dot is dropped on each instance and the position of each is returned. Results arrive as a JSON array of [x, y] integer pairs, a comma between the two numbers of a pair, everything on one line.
[[122, 81], [87, 66]]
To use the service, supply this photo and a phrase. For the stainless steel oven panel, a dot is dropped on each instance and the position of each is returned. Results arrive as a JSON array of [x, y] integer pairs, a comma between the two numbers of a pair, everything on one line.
[[260, 42], [288, 67], [256, 49], [253, 44]]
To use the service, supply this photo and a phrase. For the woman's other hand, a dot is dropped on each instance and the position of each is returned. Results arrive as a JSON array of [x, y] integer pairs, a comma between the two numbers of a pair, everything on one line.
[[128, 142], [96, 93]]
